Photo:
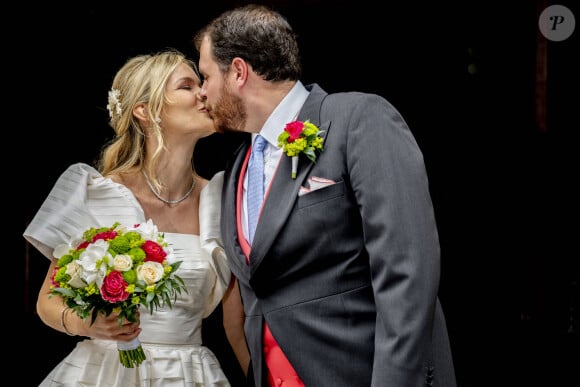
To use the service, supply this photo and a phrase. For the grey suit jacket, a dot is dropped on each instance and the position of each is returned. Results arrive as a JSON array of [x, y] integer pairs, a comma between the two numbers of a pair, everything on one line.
[[346, 276]]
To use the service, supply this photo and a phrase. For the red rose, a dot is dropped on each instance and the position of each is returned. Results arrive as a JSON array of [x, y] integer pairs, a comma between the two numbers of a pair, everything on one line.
[[294, 129], [107, 235], [153, 251], [113, 288], [83, 245], [54, 283]]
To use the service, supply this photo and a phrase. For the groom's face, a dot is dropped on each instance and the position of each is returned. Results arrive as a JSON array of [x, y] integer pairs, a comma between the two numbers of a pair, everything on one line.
[[228, 112], [225, 107]]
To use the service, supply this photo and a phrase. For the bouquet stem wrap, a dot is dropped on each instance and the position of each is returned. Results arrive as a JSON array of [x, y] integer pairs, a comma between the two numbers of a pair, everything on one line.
[[131, 353]]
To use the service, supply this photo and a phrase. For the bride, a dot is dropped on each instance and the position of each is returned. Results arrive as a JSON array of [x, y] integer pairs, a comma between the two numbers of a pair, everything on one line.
[[146, 173]]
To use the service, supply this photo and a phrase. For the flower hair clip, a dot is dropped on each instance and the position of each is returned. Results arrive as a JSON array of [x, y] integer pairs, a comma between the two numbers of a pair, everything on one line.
[[114, 106], [300, 137]]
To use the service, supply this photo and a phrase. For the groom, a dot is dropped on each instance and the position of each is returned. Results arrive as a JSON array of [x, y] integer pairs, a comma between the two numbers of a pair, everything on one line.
[[339, 281]]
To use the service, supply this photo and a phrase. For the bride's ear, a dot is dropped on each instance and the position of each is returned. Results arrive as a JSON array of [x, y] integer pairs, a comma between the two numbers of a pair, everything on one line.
[[141, 113]]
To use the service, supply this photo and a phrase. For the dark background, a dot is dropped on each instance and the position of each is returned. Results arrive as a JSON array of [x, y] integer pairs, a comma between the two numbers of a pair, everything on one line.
[[503, 180]]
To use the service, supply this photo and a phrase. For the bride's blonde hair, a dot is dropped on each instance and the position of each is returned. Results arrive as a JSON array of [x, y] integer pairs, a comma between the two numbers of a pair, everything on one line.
[[142, 79]]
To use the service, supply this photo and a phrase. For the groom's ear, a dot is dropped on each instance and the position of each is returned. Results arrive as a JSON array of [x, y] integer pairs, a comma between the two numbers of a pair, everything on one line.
[[241, 70]]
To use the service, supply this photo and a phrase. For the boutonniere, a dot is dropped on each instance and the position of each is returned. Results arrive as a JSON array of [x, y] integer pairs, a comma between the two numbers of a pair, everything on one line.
[[300, 137]]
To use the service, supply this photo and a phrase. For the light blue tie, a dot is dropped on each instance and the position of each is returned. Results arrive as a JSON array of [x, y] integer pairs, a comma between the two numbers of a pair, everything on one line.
[[255, 184]]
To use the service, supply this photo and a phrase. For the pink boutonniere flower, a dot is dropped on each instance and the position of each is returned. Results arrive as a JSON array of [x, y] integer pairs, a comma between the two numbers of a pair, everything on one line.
[[300, 137]]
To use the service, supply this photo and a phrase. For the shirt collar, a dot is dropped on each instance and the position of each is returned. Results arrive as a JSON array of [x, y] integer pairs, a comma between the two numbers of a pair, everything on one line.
[[286, 111]]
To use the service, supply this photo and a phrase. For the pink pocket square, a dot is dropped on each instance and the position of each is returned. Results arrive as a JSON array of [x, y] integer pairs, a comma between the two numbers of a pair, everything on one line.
[[315, 183]]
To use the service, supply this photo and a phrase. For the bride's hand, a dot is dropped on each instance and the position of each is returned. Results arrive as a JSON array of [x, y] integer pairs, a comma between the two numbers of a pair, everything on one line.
[[105, 327]]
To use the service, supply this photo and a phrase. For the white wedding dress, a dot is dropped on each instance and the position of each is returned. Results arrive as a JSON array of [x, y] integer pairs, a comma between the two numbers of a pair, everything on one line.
[[171, 337]]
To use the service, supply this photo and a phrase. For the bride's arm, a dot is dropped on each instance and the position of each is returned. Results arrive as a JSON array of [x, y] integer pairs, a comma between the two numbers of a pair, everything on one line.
[[54, 313], [233, 316]]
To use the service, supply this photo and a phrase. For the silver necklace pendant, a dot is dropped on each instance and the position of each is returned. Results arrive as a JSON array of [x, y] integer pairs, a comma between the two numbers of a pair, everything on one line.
[[167, 201]]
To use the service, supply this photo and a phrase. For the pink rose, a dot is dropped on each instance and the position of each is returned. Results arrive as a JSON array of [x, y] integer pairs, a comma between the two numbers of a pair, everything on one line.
[[153, 251], [294, 129], [113, 288]]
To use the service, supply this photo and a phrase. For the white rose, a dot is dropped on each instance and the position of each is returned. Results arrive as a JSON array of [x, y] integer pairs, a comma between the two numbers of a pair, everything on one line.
[[150, 272], [75, 270], [122, 262]]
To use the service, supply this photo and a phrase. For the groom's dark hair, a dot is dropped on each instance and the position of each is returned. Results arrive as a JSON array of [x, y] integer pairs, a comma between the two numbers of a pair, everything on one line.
[[260, 36]]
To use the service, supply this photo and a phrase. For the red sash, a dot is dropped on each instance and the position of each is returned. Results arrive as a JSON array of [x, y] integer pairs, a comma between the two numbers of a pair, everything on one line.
[[280, 371]]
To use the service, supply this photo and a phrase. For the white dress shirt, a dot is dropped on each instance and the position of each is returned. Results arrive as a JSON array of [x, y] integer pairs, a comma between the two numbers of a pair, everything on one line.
[[286, 112]]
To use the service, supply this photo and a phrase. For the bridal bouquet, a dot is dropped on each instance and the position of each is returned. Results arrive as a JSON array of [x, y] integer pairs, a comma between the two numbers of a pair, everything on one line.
[[117, 269]]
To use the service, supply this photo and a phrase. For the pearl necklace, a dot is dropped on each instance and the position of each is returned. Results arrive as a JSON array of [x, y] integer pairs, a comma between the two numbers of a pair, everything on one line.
[[167, 201]]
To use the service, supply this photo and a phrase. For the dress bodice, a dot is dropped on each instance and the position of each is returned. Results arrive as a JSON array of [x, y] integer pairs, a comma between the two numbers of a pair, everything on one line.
[[171, 336], [189, 308]]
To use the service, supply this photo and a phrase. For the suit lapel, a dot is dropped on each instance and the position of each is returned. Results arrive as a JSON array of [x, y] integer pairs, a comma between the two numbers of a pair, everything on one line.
[[283, 191], [229, 218]]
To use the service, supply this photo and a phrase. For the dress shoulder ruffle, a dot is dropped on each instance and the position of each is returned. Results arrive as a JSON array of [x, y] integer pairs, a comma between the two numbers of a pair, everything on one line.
[[81, 198]]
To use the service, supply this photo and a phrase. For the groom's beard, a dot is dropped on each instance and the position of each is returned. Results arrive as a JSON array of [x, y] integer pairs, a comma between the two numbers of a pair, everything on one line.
[[229, 112]]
